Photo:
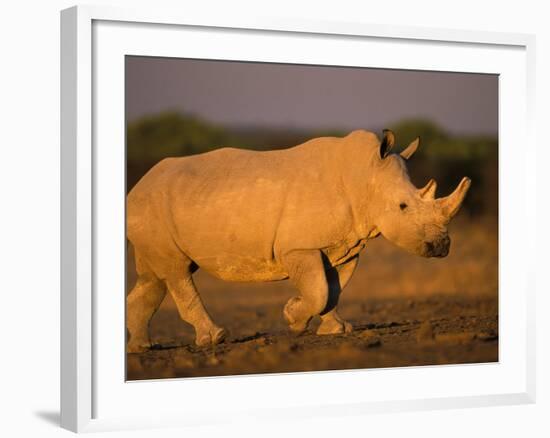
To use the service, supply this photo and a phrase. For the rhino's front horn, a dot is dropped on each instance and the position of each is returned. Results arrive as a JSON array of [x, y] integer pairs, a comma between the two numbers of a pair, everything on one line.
[[451, 204]]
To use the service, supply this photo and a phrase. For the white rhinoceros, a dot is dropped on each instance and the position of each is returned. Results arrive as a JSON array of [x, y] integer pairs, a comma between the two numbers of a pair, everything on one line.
[[302, 213]]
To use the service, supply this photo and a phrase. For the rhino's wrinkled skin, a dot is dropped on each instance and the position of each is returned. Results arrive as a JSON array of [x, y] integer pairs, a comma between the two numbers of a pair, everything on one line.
[[303, 213]]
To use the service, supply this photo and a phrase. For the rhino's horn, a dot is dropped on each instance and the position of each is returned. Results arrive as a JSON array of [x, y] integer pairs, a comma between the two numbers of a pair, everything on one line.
[[410, 149], [451, 204], [387, 143], [428, 191]]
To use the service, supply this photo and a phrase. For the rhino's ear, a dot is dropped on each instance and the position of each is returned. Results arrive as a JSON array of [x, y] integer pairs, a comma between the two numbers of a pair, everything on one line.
[[387, 143], [410, 149]]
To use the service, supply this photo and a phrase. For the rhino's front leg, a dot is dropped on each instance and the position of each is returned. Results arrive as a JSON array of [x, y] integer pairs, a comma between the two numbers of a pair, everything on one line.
[[337, 278], [306, 271]]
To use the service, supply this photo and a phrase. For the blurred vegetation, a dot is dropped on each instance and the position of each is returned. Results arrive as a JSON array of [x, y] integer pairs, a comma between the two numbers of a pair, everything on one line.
[[442, 156]]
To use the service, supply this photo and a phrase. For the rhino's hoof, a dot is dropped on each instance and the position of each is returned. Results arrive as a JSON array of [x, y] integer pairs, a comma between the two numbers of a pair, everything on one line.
[[214, 336], [334, 327], [297, 326]]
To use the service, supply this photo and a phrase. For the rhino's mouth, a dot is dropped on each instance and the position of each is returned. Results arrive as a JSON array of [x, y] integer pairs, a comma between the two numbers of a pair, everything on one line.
[[437, 248]]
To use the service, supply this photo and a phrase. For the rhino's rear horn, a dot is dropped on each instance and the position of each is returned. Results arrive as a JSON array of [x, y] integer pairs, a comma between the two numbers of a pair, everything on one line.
[[387, 143], [451, 204], [428, 191]]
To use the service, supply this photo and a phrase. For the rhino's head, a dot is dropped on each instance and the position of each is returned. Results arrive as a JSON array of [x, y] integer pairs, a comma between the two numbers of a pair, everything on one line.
[[412, 218]]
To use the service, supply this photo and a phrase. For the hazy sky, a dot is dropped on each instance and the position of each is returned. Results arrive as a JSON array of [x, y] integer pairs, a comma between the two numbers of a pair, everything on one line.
[[282, 95]]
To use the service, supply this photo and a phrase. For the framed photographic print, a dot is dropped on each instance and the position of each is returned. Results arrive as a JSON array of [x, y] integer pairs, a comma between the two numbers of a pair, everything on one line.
[[258, 213]]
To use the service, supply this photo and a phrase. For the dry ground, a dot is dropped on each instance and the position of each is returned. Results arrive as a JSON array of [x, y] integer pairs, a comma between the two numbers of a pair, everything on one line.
[[406, 311]]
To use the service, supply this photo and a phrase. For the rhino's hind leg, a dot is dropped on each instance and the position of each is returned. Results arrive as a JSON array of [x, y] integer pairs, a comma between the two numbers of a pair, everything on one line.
[[306, 271], [142, 302], [191, 310], [337, 277]]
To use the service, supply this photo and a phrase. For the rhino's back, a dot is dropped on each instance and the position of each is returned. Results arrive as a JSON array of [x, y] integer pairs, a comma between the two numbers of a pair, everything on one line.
[[234, 211]]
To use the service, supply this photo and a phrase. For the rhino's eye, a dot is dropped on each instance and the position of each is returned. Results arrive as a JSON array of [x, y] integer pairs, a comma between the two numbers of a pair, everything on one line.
[[403, 206]]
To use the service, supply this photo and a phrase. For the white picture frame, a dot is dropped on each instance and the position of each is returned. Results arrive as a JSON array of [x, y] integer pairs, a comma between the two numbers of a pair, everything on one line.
[[93, 396]]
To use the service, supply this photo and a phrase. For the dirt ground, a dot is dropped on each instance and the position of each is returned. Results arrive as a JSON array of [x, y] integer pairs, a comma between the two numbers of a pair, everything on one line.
[[406, 311]]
